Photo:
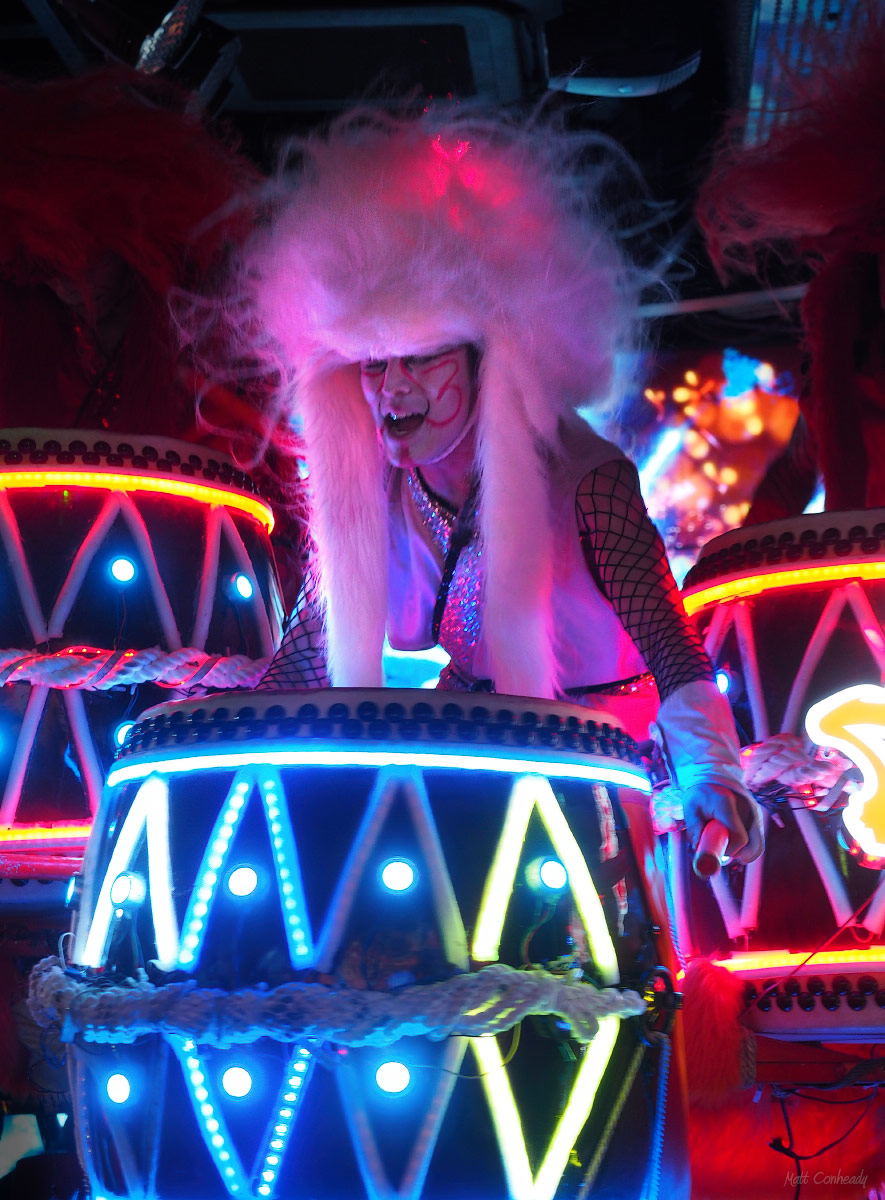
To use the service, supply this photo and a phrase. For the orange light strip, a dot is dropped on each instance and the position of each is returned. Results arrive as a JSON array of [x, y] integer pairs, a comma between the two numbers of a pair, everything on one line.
[[775, 959], [753, 585], [24, 835], [109, 482]]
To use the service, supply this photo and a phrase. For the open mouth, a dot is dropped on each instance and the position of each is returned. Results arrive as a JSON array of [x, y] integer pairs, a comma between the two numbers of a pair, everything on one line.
[[404, 424]]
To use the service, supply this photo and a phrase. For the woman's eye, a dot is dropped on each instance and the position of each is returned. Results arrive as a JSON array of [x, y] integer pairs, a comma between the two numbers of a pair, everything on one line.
[[374, 366], [421, 360]]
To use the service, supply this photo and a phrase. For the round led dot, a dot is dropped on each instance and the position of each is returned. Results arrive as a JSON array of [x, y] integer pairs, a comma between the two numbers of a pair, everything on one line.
[[398, 875], [553, 874], [243, 586], [723, 681], [122, 732], [212, 1125], [242, 881], [119, 1089], [393, 1077], [122, 570], [236, 1081]]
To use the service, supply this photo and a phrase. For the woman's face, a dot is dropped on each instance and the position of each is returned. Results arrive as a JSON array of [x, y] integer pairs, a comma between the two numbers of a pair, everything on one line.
[[421, 402]]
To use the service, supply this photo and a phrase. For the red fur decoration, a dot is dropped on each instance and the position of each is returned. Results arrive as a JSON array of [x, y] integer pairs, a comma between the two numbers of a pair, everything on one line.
[[109, 163], [715, 1045], [820, 177], [817, 188]]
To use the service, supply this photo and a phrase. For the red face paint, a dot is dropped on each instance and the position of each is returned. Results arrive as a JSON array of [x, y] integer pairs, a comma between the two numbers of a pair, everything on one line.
[[421, 403]]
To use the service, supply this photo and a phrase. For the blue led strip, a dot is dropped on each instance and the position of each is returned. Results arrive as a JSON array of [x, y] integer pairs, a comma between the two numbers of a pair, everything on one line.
[[206, 886], [210, 1119], [289, 1101], [553, 764], [288, 869]]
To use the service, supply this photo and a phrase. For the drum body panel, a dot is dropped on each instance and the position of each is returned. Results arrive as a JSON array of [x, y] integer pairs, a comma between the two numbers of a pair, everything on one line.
[[276, 793], [792, 613], [81, 651]]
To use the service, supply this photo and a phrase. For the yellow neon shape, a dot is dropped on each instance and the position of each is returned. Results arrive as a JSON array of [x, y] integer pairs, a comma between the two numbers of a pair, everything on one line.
[[522, 1185], [772, 959], [106, 481], [754, 585], [853, 721], [46, 833], [529, 792], [149, 814]]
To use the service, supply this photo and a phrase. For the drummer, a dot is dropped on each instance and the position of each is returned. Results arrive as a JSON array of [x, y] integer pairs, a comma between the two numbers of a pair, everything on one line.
[[444, 305]]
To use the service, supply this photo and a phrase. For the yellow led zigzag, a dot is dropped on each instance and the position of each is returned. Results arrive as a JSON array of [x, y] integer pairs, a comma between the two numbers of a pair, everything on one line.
[[853, 721], [530, 792], [521, 1184]]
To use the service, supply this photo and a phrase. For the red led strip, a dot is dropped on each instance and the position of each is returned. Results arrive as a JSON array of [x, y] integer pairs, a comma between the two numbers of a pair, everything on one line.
[[754, 585], [115, 482]]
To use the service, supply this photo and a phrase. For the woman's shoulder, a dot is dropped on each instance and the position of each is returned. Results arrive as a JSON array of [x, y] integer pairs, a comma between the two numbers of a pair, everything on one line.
[[582, 450]]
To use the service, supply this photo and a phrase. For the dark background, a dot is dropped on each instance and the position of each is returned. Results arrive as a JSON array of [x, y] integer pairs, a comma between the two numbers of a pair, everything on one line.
[[658, 76]]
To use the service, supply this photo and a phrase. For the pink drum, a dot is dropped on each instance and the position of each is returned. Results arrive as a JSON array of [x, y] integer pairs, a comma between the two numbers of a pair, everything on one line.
[[339, 943], [791, 613], [128, 567]]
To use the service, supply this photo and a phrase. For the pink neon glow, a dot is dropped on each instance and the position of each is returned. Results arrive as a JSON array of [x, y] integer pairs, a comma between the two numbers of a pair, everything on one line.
[[773, 959]]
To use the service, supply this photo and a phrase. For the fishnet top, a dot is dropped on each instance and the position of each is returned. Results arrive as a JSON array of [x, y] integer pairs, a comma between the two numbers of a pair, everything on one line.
[[624, 554], [626, 557]]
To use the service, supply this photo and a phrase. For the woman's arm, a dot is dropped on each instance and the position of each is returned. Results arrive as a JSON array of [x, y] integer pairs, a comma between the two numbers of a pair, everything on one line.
[[626, 557], [300, 661]]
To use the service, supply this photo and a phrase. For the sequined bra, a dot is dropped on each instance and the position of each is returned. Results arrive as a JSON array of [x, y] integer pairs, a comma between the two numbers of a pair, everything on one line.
[[458, 609]]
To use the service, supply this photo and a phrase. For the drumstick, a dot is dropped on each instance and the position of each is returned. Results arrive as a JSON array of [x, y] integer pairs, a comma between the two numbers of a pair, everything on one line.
[[711, 848]]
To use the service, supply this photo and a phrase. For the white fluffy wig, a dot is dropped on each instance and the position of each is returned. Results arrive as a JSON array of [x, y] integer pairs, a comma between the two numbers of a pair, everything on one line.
[[395, 236]]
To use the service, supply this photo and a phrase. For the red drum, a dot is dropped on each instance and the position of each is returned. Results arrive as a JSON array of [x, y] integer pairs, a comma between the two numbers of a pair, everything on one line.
[[128, 566], [791, 613], [333, 944]]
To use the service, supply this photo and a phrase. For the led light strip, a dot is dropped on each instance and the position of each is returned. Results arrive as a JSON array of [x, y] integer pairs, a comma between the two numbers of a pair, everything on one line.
[[853, 721], [298, 1075], [209, 1117], [754, 585], [46, 835], [522, 1185], [773, 959], [530, 792], [320, 754], [288, 871], [149, 813], [108, 481], [207, 877]]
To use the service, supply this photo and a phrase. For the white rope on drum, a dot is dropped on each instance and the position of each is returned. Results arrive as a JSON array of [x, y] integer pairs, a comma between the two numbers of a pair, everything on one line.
[[491, 1000], [93, 669]]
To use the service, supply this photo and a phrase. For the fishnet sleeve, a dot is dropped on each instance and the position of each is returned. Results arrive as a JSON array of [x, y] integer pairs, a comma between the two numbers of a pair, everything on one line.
[[300, 661], [626, 557]]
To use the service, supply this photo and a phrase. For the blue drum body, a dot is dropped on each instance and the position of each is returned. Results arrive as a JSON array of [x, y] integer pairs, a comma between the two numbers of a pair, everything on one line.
[[361, 850]]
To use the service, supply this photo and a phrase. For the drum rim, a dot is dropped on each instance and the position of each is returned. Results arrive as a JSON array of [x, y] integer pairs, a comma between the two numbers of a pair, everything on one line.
[[157, 456], [845, 537], [411, 717]]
